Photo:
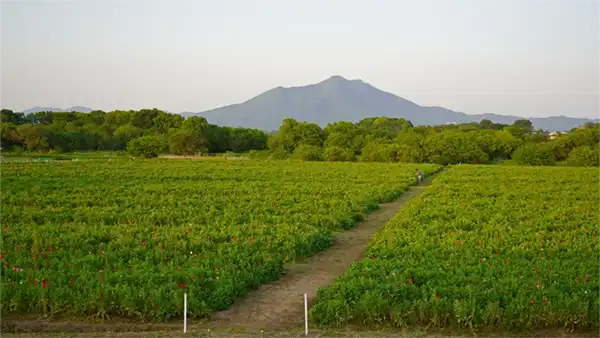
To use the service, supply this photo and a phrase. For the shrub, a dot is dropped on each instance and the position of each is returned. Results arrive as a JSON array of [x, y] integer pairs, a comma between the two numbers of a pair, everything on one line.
[[335, 153], [534, 154], [584, 156], [308, 153], [147, 146]]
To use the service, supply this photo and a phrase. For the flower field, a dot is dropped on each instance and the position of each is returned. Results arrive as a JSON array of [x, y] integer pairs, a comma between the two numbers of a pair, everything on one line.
[[483, 246], [128, 238]]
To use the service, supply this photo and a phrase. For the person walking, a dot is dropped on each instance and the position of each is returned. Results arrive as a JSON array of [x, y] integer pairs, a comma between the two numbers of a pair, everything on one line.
[[419, 176]]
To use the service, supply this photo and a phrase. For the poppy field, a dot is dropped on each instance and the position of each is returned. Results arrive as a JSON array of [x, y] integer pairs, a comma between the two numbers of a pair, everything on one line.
[[127, 238], [483, 246]]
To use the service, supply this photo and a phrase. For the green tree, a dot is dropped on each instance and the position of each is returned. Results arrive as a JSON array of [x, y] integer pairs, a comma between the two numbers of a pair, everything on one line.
[[410, 147], [9, 137], [125, 133], [308, 152], [8, 116], [187, 142], [35, 137], [292, 134], [451, 147], [346, 135], [584, 156], [380, 151], [195, 123], [148, 146], [534, 154], [163, 122], [144, 118], [335, 153]]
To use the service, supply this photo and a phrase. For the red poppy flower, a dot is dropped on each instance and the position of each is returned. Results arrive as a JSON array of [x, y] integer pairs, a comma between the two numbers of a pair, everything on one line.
[[44, 284], [233, 238], [531, 302], [101, 294], [437, 297], [181, 286]]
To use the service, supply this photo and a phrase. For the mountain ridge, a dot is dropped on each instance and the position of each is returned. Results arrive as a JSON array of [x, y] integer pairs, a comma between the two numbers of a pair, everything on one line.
[[337, 99], [36, 109]]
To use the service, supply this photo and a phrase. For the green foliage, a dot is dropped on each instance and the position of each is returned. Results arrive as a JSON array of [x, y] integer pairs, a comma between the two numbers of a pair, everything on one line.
[[35, 137], [385, 139], [374, 139], [380, 151], [308, 153], [97, 130], [483, 247], [127, 238], [584, 156], [534, 154], [452, 147], [292, 134], [335, 153], [10, 137], [148, 146], [187, 142]]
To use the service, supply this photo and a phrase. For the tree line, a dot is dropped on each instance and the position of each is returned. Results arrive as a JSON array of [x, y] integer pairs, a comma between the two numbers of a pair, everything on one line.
[[383, 139], [150, 132], [146, 132]]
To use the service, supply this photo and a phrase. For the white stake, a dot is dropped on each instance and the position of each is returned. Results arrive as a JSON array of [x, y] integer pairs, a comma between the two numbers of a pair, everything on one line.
[[306, 313], [184, 313]]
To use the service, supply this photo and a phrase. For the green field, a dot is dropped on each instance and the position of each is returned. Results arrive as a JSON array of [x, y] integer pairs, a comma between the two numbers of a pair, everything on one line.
[[128, 238], [483, 246]]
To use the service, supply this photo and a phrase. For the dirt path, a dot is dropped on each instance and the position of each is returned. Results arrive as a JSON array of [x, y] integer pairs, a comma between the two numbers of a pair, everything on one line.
[[280, 304]]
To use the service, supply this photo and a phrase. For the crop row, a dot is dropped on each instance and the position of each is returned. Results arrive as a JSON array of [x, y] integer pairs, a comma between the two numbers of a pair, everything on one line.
[[510, 247], [127, 238]]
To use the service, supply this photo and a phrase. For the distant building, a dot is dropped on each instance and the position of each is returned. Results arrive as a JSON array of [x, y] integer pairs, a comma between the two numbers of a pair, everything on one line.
[[553, 135]]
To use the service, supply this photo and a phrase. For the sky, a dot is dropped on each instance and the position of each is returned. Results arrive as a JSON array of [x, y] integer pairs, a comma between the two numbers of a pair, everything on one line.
[[529, 58]]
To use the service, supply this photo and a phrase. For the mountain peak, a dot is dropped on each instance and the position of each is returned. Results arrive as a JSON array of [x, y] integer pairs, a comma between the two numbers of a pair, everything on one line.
[[340, 80], [337, 77]]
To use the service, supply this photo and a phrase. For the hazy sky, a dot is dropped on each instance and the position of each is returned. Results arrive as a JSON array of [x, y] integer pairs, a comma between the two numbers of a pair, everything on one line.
[[526, 58]]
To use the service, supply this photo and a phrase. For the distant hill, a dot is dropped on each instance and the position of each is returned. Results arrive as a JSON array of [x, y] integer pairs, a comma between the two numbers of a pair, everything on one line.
[[67, 110], [337, 99]]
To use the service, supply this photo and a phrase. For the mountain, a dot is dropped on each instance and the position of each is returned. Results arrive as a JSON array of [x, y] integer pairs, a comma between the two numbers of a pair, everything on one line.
[[52, 109], [337, 99]]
